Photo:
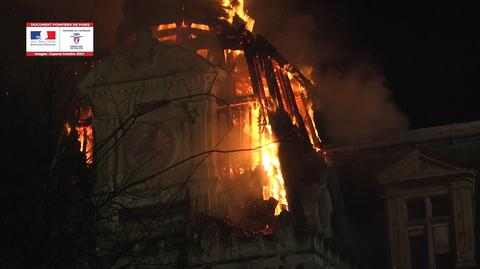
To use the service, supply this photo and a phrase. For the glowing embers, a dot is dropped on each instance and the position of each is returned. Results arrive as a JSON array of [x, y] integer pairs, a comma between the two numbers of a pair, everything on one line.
[[167, 26], [85, 132], [168, 38], [168, 34], [203, 53], [199, 26], [183, 24], [264, 138]]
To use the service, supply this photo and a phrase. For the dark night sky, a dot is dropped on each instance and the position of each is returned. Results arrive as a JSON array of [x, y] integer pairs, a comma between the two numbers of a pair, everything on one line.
[[429, 53]]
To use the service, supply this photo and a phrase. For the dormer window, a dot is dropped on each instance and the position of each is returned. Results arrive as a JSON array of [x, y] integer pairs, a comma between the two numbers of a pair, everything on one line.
[[429, 213], [429, 231]]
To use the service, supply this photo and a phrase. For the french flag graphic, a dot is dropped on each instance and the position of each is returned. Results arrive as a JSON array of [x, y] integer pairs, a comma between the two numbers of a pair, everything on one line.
[[46, 35], [50, 35], [35, 35]]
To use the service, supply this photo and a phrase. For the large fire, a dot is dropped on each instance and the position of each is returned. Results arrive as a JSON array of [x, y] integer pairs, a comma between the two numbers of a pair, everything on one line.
[[268, 158], [254, 91], [262, 84], [260, 131], [299, 108]]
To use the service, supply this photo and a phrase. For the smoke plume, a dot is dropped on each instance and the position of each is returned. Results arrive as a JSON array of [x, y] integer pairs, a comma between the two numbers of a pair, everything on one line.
[[351, 99]]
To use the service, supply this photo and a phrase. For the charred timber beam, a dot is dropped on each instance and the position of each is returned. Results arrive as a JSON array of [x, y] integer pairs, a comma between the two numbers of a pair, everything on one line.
[[290, 99], [302, 167], [264, 45], [254, 69], [309, 121], [272, 82]]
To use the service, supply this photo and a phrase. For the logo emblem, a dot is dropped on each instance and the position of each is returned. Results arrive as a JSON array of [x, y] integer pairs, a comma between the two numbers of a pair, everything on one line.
[[76, 38]]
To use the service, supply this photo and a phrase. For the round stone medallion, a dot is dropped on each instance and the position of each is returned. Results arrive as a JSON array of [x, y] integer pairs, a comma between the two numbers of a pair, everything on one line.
[[149, 146]]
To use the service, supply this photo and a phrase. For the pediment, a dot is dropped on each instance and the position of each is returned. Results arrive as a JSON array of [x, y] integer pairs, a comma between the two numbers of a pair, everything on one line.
[[417, 165], [146, 60]]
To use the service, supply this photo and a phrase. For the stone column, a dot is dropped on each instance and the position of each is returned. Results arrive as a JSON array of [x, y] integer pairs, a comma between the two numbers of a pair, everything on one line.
[[463, 220], [396, 225]]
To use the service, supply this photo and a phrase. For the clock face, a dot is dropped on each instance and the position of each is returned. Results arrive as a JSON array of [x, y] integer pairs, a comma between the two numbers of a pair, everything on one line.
[[149, 146]]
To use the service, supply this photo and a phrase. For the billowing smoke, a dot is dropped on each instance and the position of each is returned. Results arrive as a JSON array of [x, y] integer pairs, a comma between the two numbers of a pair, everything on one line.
[[356, 106], [352, 101]]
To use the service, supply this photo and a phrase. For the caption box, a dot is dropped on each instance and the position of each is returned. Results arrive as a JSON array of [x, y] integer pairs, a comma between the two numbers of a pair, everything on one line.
[[59, 38]]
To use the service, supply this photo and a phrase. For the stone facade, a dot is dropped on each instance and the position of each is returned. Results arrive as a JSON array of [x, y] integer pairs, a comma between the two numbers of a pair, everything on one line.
[[129, 90], [426, 180], [144, 142], [419, 176]]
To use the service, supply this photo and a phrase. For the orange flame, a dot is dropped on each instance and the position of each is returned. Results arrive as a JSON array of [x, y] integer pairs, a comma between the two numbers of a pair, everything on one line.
[[305, 104], [68, 128], [237, 7], [268, 157], [85, 133]]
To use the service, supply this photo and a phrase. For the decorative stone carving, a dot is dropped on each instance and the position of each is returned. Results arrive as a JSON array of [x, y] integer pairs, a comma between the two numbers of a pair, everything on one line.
[[147, 60]]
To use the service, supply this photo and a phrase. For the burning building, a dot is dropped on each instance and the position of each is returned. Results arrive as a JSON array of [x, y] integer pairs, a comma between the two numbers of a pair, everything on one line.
[[207, 155], [205, 132]]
